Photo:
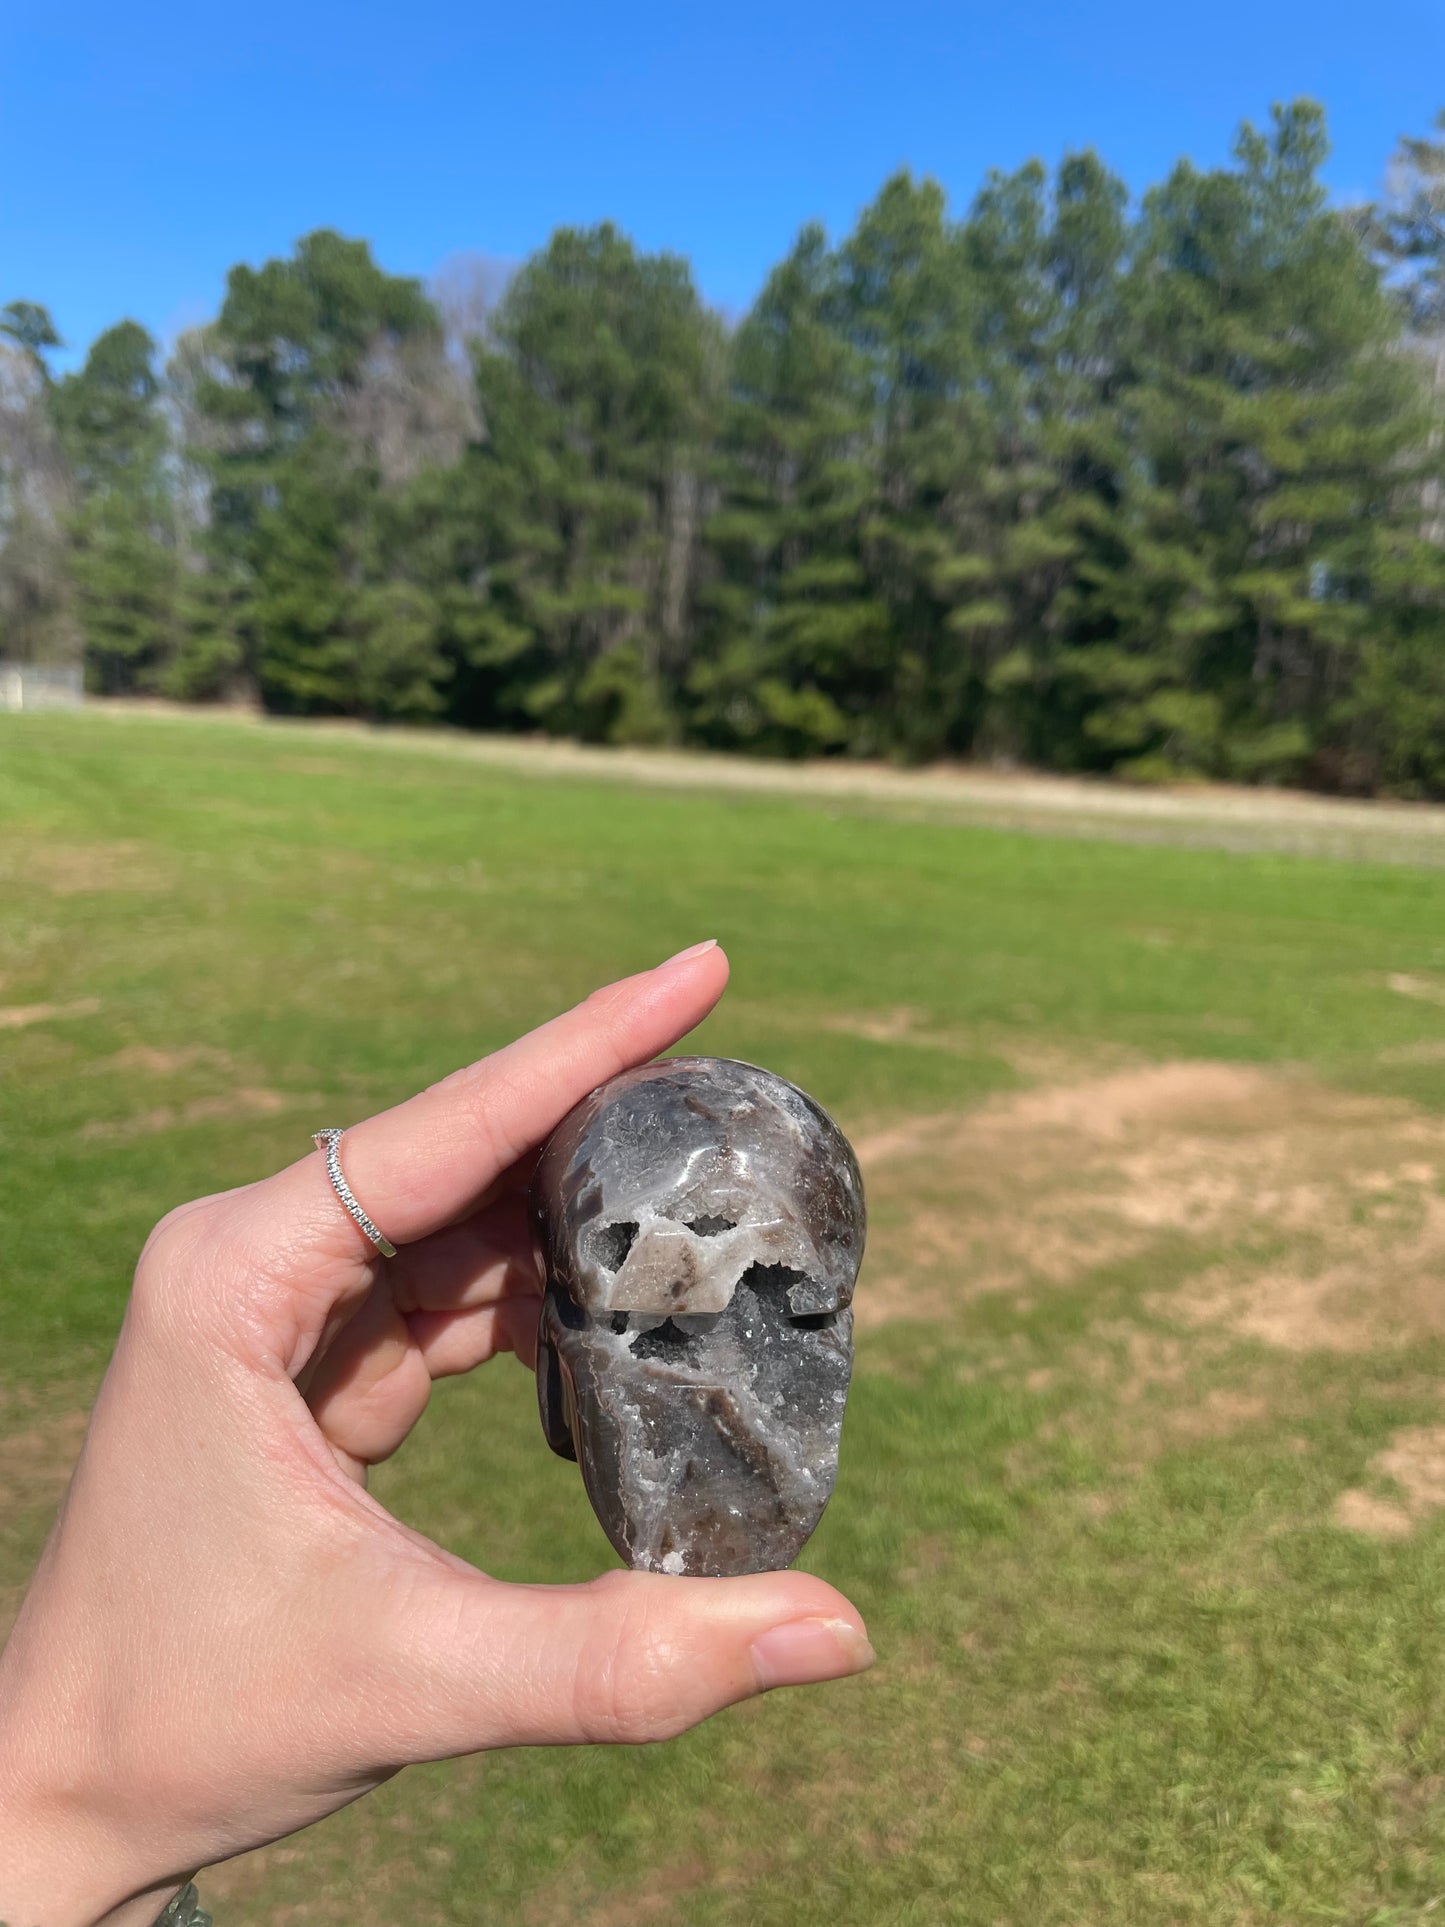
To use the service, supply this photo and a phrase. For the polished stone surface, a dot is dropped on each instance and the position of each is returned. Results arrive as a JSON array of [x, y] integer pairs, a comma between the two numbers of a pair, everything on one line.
[[702, 1223]]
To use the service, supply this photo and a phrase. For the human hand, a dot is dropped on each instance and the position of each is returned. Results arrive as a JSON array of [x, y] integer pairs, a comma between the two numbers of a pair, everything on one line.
[[227, 1638]]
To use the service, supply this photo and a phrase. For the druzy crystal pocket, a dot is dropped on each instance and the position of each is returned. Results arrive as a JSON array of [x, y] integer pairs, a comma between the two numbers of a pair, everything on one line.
[[701, 1223]]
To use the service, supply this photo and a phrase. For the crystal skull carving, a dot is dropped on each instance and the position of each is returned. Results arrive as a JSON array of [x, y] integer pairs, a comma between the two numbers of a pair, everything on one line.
[[701, 1223]]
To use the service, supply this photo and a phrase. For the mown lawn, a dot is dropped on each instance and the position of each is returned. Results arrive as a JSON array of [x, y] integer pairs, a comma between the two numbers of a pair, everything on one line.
[[1143, 1490]]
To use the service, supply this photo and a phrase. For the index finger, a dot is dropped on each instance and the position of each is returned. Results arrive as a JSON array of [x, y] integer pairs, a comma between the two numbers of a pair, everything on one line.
[[427, 1162]]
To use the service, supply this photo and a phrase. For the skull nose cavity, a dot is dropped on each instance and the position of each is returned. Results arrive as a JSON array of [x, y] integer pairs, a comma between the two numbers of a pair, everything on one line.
[[612, 1242], [696, 1323], [710, 1226], [667, 1340]]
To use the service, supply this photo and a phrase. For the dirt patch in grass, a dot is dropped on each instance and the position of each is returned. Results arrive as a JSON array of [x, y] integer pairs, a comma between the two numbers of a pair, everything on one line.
[[315, 766], [1154, 1401], [82, 869], [1377, 1518], [1038, 1063], [37, 1461], [1425, 990], [1222, 1411], [897, 1026], [21, 1016], [903, 1025], [226, 1108], [1429, 1050], [1413, 1463], [151, 1062], [1130, 1101], [1329, 1205], [662, 1903]]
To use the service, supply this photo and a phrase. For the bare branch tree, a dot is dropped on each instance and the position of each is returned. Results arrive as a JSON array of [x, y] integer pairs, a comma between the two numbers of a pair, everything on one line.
[[37, 616]]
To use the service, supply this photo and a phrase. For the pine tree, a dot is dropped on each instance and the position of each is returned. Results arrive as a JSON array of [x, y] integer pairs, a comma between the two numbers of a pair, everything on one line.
[[1035, 528], [293, 482], [1410, 227], [122, 536], [37, 614], [905, 306], [1266, 419], [30, 328], [595, 393], [788, 613], [1395, 708]]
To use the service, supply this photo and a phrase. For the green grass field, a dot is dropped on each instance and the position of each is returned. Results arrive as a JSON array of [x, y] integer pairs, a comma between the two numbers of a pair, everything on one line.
[[1143, 1489]]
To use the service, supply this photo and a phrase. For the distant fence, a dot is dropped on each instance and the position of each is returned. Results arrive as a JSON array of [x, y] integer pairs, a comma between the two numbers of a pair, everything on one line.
[[29, 685]]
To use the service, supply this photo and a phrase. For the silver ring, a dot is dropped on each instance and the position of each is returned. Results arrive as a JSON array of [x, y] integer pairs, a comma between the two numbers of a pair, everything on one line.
[[327, 1141]]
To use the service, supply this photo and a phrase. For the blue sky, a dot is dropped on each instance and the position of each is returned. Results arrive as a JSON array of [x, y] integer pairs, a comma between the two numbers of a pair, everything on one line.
[[149, 146]]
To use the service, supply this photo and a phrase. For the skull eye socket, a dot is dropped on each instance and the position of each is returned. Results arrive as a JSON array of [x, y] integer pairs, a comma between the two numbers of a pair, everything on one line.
[[569, 1313], [774, 1280], [611, 1244], [709, 1226]]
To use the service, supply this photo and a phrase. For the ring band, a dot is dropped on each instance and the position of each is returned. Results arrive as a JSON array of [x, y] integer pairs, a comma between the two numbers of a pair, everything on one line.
[[327, 1141]]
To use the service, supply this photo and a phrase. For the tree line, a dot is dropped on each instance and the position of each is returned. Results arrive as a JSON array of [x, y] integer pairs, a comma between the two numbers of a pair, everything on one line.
[[1156, 490]]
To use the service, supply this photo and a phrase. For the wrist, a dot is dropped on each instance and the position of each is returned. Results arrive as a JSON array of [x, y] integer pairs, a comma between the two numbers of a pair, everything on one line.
[[61, 1863], [144, 1910], [53, 1873]]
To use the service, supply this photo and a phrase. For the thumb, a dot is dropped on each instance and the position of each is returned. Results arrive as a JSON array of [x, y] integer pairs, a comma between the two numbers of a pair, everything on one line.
[[629, 1657]]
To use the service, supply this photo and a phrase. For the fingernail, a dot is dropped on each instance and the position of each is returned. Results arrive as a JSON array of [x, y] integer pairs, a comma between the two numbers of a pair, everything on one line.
[[693, 950], [806, 1650]]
